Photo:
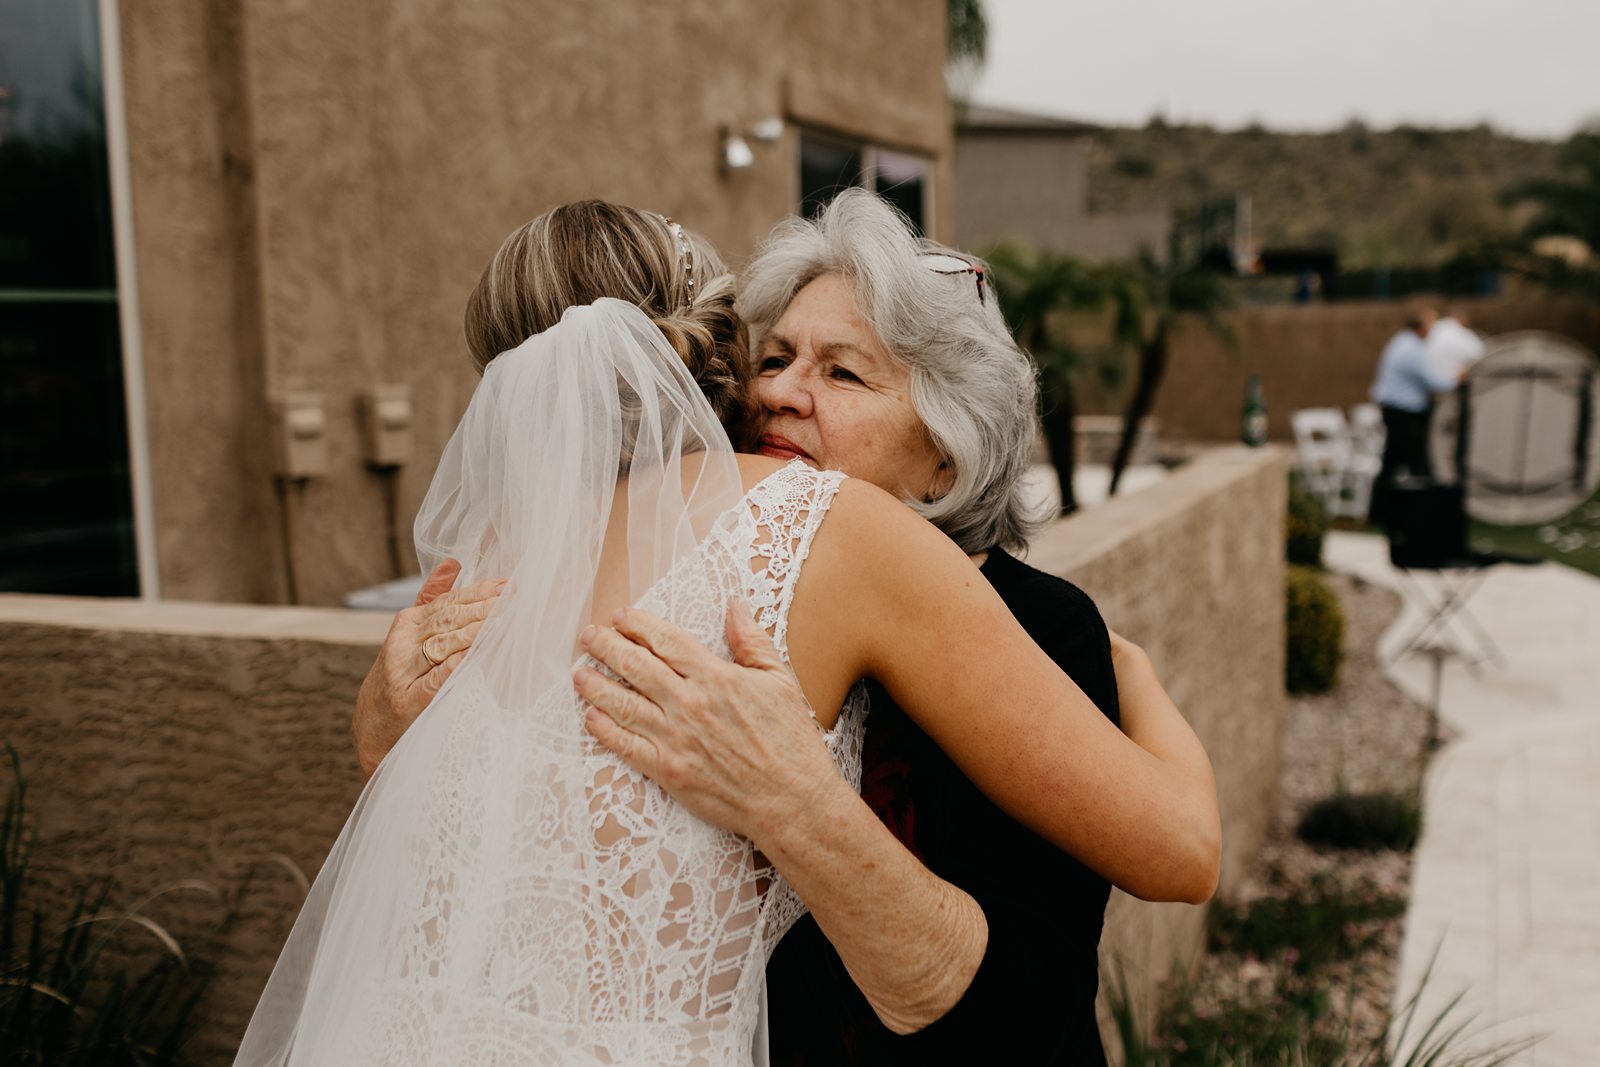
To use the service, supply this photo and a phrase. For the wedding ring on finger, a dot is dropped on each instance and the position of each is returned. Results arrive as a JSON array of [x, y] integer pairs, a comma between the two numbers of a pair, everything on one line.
[[432, 663]]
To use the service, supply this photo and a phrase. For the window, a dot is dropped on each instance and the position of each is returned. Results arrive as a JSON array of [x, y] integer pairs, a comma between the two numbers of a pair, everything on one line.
[[829, 164], [903, 181], [64, 464], [826, 168]]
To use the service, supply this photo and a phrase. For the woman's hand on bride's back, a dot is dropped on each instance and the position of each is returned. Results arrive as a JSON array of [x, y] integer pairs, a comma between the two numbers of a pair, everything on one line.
[[735, 743], [425, 644]]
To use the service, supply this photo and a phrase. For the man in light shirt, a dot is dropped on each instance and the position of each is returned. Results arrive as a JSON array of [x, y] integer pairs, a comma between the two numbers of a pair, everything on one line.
[[1410, 375], [1453, 344]]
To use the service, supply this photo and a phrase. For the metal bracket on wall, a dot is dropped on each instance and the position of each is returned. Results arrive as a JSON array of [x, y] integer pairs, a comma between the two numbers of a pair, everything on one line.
[[299, 428], [386, 425]]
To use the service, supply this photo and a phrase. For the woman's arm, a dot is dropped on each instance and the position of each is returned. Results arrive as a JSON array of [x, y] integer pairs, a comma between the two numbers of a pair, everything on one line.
[[886, 595], [736, 744], [1149, 717], [890, 588]]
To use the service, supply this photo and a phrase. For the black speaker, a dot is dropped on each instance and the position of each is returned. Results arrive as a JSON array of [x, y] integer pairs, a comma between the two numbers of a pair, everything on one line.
[[1427, 525]]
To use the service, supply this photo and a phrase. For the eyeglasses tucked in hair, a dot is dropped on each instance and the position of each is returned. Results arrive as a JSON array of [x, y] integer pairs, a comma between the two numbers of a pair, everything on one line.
[[940, 263]]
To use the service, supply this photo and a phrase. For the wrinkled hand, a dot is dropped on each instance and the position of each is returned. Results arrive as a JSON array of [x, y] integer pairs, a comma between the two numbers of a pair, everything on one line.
[[736, 743], [425, 644]]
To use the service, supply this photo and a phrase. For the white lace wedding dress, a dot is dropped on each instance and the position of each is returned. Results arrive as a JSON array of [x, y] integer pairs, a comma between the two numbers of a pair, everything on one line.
[[507, 892]]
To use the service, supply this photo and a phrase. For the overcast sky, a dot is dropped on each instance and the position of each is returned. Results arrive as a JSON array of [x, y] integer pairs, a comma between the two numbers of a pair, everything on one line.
[[1530, 67]]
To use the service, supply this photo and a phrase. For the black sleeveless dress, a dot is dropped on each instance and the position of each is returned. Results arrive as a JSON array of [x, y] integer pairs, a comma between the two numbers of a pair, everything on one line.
[[1032, 1000]]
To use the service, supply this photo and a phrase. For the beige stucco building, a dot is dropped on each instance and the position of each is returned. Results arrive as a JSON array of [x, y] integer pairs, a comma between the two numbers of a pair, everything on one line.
[[298, 197], [304, 194], [1025, 179]]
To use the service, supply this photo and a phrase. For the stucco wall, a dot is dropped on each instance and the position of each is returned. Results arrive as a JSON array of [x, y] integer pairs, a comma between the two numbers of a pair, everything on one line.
[[191, 155], [316, 188], [1315, 355], [1192, 570], [1022, 187], [1032, 188], [172, 741]]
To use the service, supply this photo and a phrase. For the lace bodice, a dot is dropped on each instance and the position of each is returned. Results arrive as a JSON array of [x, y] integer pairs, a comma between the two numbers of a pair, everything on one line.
[[567, 911]]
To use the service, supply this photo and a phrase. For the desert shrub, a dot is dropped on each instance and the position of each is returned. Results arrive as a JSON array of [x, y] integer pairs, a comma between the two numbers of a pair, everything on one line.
[[1307, 526], [1132, 165], [1370, 822], [1285, 1014], [62, 1000], [1315, 632], [1328, 921], [1291, 1026]]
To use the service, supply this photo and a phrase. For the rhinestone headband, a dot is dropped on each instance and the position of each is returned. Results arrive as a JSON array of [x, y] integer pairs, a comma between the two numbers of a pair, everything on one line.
[[685, 253]]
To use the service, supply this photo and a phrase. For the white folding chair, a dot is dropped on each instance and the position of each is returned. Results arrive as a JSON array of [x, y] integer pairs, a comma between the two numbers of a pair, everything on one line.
[[1322, 438], [1366, 459]]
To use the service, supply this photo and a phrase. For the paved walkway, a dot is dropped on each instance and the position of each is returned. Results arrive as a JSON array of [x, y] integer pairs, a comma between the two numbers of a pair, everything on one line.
[[1506, 885]]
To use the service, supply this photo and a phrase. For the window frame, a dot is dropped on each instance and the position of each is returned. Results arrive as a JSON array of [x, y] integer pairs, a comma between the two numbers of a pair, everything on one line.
[[869, 152]]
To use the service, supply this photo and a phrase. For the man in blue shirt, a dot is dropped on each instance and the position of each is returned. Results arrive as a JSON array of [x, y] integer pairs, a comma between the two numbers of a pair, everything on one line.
[[1409, 377]]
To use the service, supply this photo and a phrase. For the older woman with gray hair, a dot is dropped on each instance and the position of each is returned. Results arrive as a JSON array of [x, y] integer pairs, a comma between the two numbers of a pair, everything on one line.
[[934, 314], [886, 357]]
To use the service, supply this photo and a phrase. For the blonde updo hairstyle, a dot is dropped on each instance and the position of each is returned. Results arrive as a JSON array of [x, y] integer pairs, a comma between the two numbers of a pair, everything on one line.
[[580, 252]]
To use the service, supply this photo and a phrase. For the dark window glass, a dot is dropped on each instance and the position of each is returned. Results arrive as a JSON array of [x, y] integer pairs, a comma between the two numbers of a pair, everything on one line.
[[55, 223], [67, 523], [903, 181], [826, 167]]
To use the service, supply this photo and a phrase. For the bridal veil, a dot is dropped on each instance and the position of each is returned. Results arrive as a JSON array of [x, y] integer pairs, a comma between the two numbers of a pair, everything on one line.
[[505, 891]]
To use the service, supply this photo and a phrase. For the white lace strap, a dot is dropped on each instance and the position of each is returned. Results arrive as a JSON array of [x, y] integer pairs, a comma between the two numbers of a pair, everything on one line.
[[788, 507]]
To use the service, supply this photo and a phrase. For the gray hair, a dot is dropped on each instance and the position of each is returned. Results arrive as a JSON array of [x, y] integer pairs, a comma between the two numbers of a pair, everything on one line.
[[972, 387]]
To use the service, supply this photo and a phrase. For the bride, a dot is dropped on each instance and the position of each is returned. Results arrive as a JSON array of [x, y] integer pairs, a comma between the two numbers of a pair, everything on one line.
[[508, 892]]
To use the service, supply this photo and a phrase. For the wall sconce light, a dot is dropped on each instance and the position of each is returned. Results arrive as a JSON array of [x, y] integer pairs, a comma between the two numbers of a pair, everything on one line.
[[736, 153]]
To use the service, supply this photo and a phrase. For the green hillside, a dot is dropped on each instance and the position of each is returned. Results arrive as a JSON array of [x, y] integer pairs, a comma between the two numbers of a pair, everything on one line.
[[1408, 196]]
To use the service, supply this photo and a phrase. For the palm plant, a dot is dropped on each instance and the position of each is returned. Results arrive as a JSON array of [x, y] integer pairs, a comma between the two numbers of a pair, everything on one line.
[[1037, 289], [1148, 300], [969, 32]]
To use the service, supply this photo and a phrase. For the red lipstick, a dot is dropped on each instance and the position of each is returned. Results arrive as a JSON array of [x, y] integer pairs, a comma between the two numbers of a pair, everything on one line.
[[779, 447]]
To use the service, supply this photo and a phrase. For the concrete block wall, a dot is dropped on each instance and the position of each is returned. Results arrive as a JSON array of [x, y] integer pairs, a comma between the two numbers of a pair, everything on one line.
[[170, 741], [1192, 570]]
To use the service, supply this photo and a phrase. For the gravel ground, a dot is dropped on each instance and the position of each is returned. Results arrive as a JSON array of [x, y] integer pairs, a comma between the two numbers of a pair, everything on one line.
[[1366, 735]]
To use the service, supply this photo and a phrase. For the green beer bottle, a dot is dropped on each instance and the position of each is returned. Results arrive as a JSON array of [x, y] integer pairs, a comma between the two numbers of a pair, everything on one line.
[[1253, 423]]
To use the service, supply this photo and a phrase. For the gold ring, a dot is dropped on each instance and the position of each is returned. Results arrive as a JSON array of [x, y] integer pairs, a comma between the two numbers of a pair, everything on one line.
[[432, 663]]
